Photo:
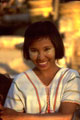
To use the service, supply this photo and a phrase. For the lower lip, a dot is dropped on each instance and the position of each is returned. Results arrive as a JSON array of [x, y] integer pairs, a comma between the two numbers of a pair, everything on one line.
[[42, 65]]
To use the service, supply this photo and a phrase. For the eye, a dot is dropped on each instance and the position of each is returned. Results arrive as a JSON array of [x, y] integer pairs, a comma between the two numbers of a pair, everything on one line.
[[47, 49], [33, 50]]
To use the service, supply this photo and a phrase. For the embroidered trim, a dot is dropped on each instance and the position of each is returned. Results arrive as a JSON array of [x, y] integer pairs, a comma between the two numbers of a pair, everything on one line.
[[35, 91], [48, 100], [57, 89]]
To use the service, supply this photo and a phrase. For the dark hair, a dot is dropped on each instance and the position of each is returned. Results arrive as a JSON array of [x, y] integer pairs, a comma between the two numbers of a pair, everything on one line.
[[43, 29], [5, 83]]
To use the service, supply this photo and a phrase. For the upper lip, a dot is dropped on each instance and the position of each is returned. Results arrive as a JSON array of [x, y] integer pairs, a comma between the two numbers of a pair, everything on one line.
[[42, 62]]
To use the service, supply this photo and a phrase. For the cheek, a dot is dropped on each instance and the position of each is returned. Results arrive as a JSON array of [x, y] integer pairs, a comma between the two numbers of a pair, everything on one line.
[[51, 52], [32, 55]]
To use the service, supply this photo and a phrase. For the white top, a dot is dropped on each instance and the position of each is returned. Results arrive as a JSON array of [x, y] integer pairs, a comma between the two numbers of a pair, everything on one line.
[[28, 94]]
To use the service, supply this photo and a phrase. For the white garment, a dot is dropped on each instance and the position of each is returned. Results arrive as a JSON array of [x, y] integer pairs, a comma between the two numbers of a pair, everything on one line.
[[28, 94]]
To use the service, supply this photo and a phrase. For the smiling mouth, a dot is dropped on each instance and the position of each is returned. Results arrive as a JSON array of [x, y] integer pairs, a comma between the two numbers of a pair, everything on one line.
[[42, 63]]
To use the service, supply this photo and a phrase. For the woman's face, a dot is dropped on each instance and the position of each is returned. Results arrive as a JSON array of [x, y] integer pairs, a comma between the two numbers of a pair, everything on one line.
[[42, 53]]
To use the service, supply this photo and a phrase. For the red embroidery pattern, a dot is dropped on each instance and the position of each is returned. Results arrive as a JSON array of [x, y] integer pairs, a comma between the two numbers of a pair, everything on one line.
[[48, 100], [35, 91], [57, 89]]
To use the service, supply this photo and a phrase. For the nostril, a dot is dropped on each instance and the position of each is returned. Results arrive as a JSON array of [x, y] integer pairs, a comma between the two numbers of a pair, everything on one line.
[[41, 56]]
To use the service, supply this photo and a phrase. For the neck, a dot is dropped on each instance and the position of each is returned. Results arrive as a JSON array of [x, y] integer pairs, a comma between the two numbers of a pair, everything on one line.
[[48, 72]]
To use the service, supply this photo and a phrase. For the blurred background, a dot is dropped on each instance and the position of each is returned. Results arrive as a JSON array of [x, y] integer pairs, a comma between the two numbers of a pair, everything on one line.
[[16, 15]]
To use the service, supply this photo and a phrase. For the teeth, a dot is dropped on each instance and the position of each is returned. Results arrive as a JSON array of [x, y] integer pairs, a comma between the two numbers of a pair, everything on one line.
[[43, 63]]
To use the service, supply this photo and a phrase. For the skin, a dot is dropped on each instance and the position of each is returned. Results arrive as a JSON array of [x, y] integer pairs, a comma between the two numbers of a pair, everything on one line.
[[42, 54]]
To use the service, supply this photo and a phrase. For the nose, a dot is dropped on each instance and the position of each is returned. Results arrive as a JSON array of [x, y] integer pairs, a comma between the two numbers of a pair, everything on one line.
[[41, 55]]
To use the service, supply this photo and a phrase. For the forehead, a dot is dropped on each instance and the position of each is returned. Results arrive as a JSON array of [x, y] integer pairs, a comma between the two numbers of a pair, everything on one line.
[[41, 42]]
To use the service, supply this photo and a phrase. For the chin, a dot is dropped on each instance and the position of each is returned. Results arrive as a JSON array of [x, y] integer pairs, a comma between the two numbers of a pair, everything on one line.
[[42, 68]]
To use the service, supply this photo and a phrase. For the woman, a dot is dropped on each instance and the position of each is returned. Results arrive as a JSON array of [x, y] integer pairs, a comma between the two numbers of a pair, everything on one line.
[[47, 91]]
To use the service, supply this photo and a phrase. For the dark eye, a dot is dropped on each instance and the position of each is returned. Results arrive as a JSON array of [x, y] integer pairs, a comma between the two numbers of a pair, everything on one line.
[[46, 49], [33, 50]]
